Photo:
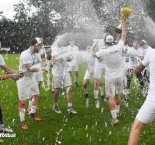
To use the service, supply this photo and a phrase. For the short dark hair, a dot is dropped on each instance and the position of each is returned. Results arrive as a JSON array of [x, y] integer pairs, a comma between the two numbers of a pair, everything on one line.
[[34, 42], [109, 43]]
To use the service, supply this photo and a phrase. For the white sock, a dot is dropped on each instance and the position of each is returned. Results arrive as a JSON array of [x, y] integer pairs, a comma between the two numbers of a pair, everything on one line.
[[87, 102], [96, 94], [113, 113], [85, 90], [30, 104], [33, 109], [69, 105], [101, 90], [76, 78], [117, 108], [55, 104], [52, 87], [22, 114]]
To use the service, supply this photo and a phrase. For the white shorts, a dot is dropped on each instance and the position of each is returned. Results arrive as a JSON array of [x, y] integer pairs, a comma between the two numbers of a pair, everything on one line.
[[73, 68], [125, 71], [27, 88], [38, 76], [62, 81], [98, 72], [113, 86], [146, 113], [87, 75]]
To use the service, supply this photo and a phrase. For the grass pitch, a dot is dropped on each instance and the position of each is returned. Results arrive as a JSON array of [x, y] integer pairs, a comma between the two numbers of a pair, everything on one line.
[[91, 126]]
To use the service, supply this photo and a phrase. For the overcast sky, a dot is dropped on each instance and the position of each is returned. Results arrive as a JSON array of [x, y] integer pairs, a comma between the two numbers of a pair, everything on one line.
[[7, 7]]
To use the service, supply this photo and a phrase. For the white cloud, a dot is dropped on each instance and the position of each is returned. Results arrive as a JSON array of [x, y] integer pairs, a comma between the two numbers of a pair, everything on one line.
[[7, 7]]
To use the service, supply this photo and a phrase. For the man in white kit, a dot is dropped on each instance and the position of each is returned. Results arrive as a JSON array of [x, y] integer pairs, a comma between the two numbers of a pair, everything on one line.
[[37, 75], [146, 114], [73, 64], [126, 73], [10, 74], [114, 72], [146, 72], [135, 54], [89, 62], [99, 71], [27, 85], [61, 77]]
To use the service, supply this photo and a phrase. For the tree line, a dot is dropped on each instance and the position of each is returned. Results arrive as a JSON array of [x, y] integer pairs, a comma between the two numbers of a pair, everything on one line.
[[86, 18]]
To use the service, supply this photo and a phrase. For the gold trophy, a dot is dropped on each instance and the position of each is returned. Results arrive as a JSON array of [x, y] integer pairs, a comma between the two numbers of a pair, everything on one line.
[[125, 13]]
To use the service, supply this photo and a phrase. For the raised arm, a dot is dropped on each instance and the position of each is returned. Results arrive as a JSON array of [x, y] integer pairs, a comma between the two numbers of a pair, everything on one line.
[[138, 69], [94, 47], [123, 36], [117, 47]]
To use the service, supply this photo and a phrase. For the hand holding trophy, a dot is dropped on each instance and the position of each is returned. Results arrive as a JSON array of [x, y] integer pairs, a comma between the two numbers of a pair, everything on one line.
[[125, 13]]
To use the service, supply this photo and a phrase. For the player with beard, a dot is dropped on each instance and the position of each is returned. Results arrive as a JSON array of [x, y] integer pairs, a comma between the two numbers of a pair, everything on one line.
[[27, 85]]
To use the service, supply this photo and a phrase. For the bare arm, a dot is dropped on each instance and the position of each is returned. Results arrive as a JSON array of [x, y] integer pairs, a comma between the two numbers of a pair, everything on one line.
[[7, 69], [31, 68], [14, 76], [87, 68], [123, 36], [94, 47], [138, 69], [117, 47]]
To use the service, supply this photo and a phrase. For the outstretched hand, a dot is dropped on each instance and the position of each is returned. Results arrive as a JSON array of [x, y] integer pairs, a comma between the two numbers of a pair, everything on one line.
[[15, 76]]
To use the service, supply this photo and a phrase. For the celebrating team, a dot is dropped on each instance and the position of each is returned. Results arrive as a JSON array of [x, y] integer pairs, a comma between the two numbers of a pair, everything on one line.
[[114, 60]]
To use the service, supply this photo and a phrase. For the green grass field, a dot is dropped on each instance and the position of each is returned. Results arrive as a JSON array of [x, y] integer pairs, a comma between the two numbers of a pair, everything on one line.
[[90, 127]]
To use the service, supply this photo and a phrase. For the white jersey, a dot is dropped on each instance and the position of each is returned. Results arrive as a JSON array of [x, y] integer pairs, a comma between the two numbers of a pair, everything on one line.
[[89, 60], [145, 51], [27, 57], [101, 44], [2, 63], [37, 63], [134, 54], [149, 60], [100, 64], [74, 50], [113, 60], [60, 68]]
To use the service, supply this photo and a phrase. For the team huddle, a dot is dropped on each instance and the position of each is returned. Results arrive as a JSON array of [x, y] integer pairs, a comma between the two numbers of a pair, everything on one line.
[[111, 59]]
